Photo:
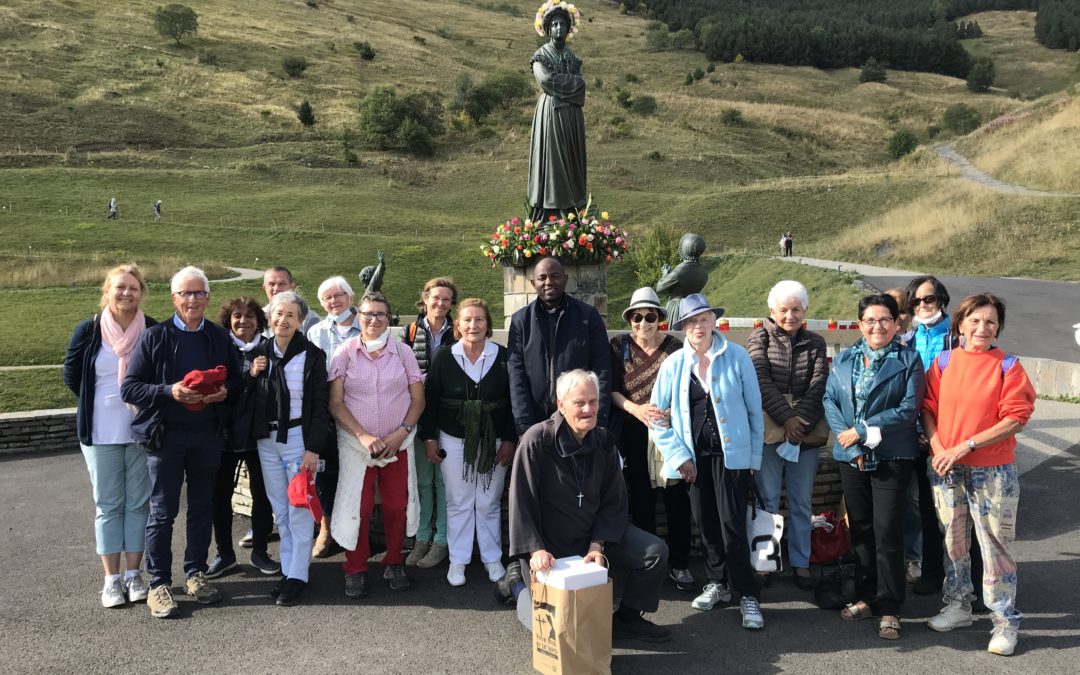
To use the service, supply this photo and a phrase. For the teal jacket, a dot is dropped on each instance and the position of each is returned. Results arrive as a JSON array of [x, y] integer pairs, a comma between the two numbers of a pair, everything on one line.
[[736, 400]]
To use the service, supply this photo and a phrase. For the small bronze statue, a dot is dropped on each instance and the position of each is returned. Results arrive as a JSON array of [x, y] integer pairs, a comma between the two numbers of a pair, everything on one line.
[[688, 277], [372, 277], [557, 172]]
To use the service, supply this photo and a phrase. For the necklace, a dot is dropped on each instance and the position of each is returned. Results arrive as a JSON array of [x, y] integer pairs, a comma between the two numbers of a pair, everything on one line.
[[579, 478]]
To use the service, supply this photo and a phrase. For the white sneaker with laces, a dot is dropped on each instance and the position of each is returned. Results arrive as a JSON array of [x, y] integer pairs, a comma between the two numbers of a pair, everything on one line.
[[713, 594], [136, 588], [751, 614], [112, 594], [956, 614], [1002, 641], [495, 571], [456, 575]]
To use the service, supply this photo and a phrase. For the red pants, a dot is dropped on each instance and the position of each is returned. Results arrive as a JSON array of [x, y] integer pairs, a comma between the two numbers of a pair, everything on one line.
[[394, 489]]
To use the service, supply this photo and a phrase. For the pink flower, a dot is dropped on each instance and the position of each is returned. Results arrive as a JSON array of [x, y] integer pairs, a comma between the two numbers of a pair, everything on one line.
[[514, 221]]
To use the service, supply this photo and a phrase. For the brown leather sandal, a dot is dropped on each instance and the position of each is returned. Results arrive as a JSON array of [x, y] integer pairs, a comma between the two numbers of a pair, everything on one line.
[[856, 611], [889, 629]]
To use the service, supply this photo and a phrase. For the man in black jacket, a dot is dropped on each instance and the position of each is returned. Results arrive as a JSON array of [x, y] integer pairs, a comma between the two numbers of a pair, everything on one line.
[[552, 335], [182, 430]]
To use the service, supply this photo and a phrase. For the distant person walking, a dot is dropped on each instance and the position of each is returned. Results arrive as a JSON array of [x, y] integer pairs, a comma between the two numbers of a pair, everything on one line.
[[114, 212], [783, 244], [157, 211], [788, 241]]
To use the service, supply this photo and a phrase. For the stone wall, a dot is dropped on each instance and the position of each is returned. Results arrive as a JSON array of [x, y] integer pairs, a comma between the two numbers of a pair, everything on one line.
[[38, 431]]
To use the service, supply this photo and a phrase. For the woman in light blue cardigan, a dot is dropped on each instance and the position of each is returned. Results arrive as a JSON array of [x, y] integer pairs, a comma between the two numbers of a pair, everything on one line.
[[713, 442]]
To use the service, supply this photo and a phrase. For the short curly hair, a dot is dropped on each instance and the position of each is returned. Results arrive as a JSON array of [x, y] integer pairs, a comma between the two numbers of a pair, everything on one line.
[[242, 305]]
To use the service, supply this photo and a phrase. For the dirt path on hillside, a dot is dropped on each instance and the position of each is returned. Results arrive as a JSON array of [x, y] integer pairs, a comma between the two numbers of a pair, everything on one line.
[[949, 153]]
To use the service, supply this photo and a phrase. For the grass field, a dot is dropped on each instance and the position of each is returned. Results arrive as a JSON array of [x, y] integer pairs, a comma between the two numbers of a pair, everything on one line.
[[98, 105], [1023, 66]]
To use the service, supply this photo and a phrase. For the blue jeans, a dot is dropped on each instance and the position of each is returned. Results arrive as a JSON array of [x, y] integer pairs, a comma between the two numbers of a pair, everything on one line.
[[121, 483], [196, 456], [800, 489]]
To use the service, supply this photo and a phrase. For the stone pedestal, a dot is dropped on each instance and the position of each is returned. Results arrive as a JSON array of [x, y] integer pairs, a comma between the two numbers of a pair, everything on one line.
[[586, 281]]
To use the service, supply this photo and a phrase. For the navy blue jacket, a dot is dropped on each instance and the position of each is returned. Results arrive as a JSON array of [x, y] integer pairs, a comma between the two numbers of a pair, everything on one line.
[[580, 342], [893, 404], [151, 374], [80, 375]]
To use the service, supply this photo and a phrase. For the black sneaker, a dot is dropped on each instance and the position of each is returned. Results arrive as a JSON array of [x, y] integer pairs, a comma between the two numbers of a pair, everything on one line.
[[396, 578], [356, 585], [262, 561], [290, 592], [504, 588], [637, 628], [275, 590], [219, 566]]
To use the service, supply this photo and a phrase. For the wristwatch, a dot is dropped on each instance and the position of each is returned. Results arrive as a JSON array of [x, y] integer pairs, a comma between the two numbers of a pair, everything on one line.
[[971, 444], [406, 426]]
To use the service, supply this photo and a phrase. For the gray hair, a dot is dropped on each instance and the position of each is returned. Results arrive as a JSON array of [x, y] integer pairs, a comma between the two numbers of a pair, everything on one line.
[[189, 272], [788, 290], [287, 297], [335, 282], [573, 378]]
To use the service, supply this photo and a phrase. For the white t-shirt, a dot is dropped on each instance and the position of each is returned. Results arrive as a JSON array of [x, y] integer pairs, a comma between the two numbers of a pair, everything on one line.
[[112, 417]]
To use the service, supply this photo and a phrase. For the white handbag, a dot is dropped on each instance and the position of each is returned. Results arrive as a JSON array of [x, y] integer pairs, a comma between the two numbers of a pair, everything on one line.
[[763, 532]]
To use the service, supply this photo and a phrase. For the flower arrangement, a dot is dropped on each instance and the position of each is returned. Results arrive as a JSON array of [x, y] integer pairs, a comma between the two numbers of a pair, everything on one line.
[[576, 237], [575, 16]]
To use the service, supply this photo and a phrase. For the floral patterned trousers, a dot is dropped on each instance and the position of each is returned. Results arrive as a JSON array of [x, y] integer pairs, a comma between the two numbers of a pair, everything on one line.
[[986, 496]]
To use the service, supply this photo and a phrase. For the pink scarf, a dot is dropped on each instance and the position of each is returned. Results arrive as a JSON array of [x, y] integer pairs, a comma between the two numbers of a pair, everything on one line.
[[121, 341]]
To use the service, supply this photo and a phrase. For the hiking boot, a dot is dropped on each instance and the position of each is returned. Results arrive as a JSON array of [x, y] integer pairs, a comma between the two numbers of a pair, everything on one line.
[[435, 555], [290, 592], [956, 614], [356, 585], [161, 603], [419, 550], [713, 594], [112, 594], [201, 589], [637, 628], [751, 614], [456, 575], [504, 588], [136, 589], [684, 581], [1002, 641], [396, 578], [219, 566], [262, 561]]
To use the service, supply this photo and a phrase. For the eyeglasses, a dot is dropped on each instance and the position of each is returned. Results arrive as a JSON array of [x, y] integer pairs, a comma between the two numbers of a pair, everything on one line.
[[883, 322], [335, 296], [648, 318], [375, 316], [927, 300], [189, 295]]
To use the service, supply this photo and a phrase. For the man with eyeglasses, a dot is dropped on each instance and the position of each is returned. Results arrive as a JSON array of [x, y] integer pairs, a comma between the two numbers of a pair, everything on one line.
[[181, 427], [551, 335], [278, 279]]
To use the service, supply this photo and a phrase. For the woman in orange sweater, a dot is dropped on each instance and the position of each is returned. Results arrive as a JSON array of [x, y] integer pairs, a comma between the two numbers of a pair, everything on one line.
[[977, 399]]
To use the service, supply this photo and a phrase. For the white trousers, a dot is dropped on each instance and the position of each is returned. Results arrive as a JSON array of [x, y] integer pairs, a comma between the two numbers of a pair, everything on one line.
[[470, 509], [280, 462]]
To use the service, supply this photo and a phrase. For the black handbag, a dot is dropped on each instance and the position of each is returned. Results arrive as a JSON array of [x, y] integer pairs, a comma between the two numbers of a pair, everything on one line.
[[835, 587]]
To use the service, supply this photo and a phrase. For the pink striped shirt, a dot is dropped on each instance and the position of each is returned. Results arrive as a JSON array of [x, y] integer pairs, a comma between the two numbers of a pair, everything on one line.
[[376, 390]]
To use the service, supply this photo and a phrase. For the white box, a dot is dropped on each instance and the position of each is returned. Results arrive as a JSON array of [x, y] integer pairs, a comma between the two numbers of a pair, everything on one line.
[[573, 573]]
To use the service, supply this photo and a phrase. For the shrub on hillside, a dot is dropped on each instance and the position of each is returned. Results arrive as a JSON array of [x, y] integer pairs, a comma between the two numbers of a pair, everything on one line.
[[294, 65], [348, 147], [383, 114], [366, 51], [697, 74], [981, 76], [500, 89], [175, 20], [208, 57], [903, 142], [416, 138], [644, 105], [961, 119], [732, 117], [649, 254], [657, 40], [873, 71], [305, 114], [622, 97]]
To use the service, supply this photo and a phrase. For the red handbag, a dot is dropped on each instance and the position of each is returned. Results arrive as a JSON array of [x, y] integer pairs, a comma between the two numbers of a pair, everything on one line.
[[829, 539]]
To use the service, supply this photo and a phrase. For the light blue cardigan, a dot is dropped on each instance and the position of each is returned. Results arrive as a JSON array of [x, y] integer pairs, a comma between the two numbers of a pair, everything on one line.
[[736, 399]]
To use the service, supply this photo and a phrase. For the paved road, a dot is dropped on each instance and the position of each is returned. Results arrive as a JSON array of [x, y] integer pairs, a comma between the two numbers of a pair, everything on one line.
[[949, 153], [1040, 314], [51, 620]]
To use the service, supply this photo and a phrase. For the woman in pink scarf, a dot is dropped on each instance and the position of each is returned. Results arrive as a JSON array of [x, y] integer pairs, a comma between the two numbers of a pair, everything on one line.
[[93, 369]]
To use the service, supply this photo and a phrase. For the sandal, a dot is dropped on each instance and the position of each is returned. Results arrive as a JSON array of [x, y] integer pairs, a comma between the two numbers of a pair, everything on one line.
[[856, 611], [889, 629]]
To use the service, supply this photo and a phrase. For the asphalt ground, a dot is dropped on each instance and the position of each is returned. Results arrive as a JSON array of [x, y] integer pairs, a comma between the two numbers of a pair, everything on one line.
[[51, 620]]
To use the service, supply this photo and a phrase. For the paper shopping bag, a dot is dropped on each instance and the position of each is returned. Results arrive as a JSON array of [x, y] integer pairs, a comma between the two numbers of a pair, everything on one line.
[[572, 629]]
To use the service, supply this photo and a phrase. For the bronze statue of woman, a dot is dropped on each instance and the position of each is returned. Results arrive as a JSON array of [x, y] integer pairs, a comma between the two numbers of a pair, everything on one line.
[[557, 153]]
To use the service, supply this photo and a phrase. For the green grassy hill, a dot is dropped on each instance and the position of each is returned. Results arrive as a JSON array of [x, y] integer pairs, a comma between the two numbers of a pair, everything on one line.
[[96, 104]]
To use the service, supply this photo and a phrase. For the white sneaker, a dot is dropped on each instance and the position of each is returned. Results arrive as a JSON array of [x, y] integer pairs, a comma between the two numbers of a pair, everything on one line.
[[456, 575], [713, 594], [495, 571], [1003, 641], [136, 589], [112, 595], [956, 614], [751, 614]]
